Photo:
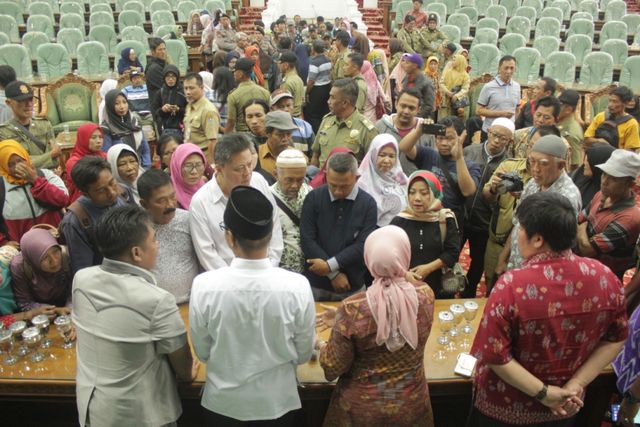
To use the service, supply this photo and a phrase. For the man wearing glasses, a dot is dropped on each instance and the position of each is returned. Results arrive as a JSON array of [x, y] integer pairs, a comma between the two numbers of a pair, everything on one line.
[[488, 156]]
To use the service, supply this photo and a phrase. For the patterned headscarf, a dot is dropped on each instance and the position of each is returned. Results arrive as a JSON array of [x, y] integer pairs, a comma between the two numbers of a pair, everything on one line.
[[435, 202]]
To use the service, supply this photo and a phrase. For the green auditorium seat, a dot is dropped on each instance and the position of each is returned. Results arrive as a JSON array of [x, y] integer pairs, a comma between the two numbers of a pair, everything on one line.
[[528, 60], [618, 49], [559, 65], [597, 69], [106, 35], [18, 58], [32, 40], [53, 61], [70, 38], [510, 42], [92, 59], [578, 45], [630, 74], [483, 58]]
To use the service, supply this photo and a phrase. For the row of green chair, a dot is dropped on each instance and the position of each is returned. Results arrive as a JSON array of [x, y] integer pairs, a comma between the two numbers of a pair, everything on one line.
[[53, 59], [104, 5]]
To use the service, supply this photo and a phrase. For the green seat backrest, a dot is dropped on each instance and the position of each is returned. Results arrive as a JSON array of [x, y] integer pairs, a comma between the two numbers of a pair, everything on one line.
[[451, 32], [160, 18], [546, 45], [615, 11], [618, 49], [4, 39], [490, 23], [179, 54], [519, 25], [559, 66], [579, 45], [75, 8], [482, 5], [510, 42], [129, 18], [582, 15], [135, 33], [105, 35], [17, 57], [120, 5], [157, 5], [70, 38], [101, 18], [613, 30], [92, 59], [565, 7], [9, 27], [536, 4], [71, 20], [630, 74], [548, 27], [452, 5], [528, 60], [101, 7], [485, 36], [53, 61], [581, 26], [40, 23], [633, 22], [461, 21], [140, 48], [74, 102], [511, 6], [146, 4], [527, 12], [597, 69], [213, 5], [552, 12], [33, 40], [184, 10], [134, 5], [165, 30], [12, 9], [471, 12], [439, 8], [40, 8], [173, 4], [499, 13], [589, 6], [94, 2], [483, 58], [402, 9]]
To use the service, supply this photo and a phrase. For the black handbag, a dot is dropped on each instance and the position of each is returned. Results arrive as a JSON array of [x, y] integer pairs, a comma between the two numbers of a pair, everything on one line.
[[461, 102]]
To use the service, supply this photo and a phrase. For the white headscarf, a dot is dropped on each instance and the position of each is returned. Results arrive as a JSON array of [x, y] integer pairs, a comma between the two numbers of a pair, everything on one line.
[[389, 189], [107, 85], [207, 79], [112, 157]]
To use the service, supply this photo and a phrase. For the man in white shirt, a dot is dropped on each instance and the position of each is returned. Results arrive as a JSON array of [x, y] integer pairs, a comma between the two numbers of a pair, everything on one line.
[[251, 323], [234, 167]]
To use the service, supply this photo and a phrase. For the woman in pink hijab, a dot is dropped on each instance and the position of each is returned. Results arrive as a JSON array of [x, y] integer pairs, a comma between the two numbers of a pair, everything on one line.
[[187, 167], [377, 342]]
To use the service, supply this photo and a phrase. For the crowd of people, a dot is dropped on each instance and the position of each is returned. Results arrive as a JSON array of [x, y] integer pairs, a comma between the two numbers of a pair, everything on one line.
[[306, 166]]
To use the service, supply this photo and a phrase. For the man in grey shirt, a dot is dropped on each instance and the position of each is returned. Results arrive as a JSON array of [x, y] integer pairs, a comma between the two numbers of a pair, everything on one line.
[[177, 262]]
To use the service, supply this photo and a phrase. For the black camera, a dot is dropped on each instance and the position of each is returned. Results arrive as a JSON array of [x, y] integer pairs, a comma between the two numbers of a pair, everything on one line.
[[511, 182], [434, 129]]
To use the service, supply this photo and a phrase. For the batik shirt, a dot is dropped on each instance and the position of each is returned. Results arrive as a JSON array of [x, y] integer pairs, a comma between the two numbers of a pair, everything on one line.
[[549, 316]]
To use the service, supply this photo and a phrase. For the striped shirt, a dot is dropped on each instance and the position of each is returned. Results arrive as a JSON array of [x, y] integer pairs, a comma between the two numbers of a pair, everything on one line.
[[320, 70]]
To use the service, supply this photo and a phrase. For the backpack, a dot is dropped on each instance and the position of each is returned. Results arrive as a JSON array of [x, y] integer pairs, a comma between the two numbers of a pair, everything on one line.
[[608, 130]]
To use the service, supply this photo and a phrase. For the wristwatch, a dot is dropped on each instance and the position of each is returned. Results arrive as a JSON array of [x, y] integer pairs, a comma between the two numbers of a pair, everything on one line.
[[629, 397], [542, 393]]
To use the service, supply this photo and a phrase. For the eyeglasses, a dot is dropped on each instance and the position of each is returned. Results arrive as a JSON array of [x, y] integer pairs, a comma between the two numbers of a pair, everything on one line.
[[500, 138], [190, 167]]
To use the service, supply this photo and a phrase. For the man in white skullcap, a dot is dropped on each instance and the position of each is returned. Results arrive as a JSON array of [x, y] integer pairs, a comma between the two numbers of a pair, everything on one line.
[[289, 192], [488, 155], [609, 227]]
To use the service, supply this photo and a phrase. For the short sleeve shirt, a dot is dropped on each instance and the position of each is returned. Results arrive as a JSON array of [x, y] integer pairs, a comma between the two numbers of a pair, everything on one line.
[[240, 96], [497, 95], [628, 132], [201, 122]]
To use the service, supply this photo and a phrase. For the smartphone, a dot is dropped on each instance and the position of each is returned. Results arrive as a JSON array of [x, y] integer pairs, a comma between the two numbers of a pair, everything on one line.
[[615, 408], [434, 129]]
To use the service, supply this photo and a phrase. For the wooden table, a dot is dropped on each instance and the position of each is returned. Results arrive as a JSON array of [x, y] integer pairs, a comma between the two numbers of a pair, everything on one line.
[[34, 394]]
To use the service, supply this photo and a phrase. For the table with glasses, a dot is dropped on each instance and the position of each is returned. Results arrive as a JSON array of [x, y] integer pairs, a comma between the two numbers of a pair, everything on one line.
[[36, 392]]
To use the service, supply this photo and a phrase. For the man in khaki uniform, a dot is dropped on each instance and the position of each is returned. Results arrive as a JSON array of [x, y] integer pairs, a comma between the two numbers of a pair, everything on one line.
[[202, 119], [34, 134], [243, 93], [344, 126], [352, 68], [433, 38], [569, 127], [342, 45], [291, 81], [411, 38]]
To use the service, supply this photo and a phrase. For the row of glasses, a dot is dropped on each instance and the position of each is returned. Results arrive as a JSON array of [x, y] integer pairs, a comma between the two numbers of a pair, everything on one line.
[[449, 321], [31, 339]]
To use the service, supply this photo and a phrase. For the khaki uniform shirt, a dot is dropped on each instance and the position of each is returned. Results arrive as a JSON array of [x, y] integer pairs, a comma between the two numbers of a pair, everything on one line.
[[572, 132], [337, 71], [432, 42], [201, 123], [355, 133], [293, 84], [240, 96], [362, 93], [39, 128], [412, 42]]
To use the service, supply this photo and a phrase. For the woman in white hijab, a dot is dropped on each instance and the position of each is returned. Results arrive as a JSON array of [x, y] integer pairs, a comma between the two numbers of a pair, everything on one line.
[[107, 85], [381, 176], [125, 166]]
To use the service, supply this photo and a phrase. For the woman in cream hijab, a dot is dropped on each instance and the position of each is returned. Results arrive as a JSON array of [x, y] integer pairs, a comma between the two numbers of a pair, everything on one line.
[[454, 85]]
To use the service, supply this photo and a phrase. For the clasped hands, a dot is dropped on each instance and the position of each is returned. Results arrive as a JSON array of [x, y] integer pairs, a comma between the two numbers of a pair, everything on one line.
[[564, 401]]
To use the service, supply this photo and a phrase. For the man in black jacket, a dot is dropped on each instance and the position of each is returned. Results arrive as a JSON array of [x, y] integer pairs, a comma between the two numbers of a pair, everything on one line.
[[155, 66]]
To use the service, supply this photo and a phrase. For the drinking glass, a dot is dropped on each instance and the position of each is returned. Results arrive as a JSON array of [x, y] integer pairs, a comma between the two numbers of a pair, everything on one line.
[[457, 310], [470, 312], [32, 337], [17, 328], [6, 346], [41, 321], [445, 319], [64, 327]]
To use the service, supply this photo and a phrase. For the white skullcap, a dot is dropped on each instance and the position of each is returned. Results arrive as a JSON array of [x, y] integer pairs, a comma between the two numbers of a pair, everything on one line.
[[505, 123], [291, 158]]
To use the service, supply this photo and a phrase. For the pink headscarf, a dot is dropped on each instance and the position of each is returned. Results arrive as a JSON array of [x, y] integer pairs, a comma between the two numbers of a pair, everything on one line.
[[184, 191], [370, 78], [393, 300]]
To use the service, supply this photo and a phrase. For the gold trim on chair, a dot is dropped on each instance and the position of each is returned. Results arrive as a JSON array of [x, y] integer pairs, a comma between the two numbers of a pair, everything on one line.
[[57, 84], [590, 97]]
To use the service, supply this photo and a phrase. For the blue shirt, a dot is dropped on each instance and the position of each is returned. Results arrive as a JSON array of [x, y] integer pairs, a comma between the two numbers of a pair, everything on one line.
[[498, 95]]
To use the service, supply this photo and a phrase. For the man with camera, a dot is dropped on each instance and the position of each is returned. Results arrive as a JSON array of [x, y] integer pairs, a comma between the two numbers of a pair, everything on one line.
[[488, 156], [459, 176]]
